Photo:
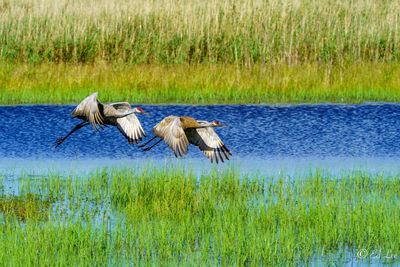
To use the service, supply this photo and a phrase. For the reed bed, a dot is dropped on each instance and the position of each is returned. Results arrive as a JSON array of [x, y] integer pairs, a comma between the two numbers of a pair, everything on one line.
[[165, 216], [199, 52], [202, 84], [189, 31]]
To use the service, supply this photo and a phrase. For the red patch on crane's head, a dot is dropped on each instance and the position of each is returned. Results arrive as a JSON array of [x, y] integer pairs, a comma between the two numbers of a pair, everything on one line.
[[216, 122], [139, 109]]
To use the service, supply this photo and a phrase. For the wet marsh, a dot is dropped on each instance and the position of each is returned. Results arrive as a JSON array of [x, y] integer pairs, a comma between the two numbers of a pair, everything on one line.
[[162, 215]]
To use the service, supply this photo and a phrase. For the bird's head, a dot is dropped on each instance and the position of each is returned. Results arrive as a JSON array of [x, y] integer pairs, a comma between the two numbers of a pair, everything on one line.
[[140, 111], [217, 124]]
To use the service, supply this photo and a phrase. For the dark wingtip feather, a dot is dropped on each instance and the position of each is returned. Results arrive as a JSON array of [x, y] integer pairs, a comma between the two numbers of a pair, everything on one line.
[[227, 150], [219, 153]]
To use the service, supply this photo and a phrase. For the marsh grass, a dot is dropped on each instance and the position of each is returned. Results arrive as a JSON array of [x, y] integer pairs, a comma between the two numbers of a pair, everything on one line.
[[25, 207], [201, 84], [189, 31], [171, 216], [199, 52]]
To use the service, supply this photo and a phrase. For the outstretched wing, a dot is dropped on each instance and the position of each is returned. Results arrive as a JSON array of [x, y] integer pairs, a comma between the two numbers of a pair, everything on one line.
[[90, 110], [208, 142], [129, 126], [171, 131], [121, 106]]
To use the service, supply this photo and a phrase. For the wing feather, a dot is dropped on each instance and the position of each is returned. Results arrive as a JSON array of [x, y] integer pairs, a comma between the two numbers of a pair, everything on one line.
[[90, 110], [130, 127], [121, 106], [208, 142], [171, 131]]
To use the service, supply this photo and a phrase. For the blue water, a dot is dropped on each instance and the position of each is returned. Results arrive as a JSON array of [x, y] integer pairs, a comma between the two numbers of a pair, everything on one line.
[[260, 137]]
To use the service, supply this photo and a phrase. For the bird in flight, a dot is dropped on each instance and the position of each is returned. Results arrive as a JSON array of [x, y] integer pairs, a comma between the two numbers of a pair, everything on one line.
[[179, 132], [97, 114]]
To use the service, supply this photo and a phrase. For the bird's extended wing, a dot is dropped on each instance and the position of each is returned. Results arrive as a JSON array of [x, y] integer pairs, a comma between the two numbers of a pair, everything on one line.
[[171, 131], [121, 106], [129, 126], [89, 110], [208, 142]]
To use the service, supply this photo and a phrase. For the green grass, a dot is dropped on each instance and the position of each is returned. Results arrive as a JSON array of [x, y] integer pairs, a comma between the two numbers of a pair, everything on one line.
[[200, 31], [165, 216], [199, 52], [24, 207], [201, 84]]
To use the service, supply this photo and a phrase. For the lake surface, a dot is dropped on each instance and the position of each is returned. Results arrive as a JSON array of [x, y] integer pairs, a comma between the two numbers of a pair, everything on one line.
[[264, 138]]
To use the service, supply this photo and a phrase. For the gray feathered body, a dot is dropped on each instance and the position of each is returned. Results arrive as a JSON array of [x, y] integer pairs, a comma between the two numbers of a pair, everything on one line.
[[179, 132], [118, 114]]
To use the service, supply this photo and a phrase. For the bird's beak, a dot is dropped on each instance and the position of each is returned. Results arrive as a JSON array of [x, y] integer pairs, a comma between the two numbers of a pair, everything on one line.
[[224, 126], [144, 112]]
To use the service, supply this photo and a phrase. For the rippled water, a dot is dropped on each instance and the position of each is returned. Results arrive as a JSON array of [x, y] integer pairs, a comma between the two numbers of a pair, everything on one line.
[[261, 137]]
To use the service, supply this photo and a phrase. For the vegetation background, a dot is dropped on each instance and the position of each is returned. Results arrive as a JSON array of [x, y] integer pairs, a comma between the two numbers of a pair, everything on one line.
[[219, 51]]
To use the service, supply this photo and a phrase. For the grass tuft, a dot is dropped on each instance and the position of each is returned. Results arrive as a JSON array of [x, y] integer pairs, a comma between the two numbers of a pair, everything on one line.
[[25, 207]]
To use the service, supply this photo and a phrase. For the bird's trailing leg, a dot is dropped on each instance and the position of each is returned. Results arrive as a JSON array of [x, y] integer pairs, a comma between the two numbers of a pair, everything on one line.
[[147, 142], [77, 127], [150, 147]]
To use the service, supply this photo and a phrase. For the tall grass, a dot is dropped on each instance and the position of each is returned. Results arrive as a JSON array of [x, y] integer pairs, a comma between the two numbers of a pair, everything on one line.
[[189, 31], [202, 84], [199, 52], [165, 216]]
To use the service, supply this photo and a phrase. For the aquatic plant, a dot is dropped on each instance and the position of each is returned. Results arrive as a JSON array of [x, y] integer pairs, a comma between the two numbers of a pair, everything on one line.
[[25, 207], [161, 215]]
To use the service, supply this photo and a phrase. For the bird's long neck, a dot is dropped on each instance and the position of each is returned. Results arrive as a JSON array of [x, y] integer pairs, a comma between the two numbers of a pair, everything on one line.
[[205, 124], [121, 115], [189, 122], [109, 111]]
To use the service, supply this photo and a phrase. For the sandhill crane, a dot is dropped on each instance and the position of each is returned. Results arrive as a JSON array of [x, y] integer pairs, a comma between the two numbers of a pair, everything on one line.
[[97, 114], [179, 132]]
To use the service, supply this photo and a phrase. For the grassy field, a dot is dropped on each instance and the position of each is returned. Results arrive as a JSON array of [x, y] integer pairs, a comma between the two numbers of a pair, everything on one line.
[[199, 52], [190, 31], [201, 84], [164, 216]]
